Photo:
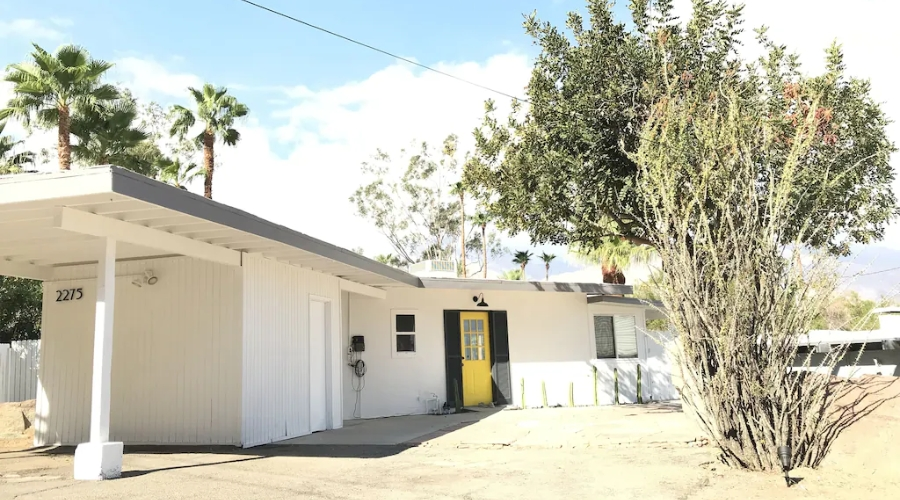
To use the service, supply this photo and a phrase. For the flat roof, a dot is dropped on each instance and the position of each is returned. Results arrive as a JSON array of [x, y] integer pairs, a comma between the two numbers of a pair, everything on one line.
[[30, 234], [815, 337], [525, 286], [58, 219], [625, 301]]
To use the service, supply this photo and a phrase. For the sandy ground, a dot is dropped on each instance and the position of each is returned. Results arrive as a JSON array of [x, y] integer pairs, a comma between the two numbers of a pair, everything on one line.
[[622, 452]]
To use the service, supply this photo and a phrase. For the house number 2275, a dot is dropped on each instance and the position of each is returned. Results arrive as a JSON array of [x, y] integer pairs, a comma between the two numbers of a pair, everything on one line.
[[69, 294]]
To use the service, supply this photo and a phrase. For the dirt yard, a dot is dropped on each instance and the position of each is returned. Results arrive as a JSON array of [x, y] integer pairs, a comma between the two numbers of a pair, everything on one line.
[[622, 452]]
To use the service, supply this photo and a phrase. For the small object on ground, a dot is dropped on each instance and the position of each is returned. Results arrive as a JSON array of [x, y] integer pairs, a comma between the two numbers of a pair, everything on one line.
[[784, 454]]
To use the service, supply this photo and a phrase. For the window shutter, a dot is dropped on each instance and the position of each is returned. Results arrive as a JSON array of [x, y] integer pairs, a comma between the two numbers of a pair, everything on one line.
[[626, 336], [603, 336]]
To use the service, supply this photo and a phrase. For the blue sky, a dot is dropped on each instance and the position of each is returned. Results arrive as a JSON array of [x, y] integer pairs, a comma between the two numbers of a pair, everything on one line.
[[320, 106], [237, 44]]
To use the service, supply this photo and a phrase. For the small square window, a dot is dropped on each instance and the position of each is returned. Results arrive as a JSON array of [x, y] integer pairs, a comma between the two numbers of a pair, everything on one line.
[[406, 343], [405, 323]]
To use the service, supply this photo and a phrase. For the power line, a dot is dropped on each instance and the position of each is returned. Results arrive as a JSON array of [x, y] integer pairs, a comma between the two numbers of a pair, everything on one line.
[[882, 271], [376, 49]]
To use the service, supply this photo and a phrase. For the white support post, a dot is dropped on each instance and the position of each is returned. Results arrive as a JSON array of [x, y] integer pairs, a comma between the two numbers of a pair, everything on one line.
[[99, 458]]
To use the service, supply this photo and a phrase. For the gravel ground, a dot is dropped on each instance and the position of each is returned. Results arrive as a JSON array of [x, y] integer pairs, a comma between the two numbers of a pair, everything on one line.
[[631, 452]]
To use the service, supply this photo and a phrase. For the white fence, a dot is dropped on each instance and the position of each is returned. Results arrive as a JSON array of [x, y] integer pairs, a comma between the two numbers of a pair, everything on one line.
[[19, 370]]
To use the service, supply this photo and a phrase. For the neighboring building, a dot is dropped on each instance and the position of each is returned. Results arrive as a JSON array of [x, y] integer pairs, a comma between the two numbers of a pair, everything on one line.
[[869, 352], [173, 319]]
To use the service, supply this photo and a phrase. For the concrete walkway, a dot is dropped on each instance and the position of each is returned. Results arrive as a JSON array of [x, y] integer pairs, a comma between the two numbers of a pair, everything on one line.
[[619, 426], [393, 431]]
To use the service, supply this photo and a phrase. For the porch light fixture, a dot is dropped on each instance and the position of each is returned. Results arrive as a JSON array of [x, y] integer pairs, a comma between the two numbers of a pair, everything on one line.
[[784, 455], [148, 278], [482, 303]]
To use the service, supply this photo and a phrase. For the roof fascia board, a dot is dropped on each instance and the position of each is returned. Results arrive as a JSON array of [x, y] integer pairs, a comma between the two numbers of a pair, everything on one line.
[[141, 188]]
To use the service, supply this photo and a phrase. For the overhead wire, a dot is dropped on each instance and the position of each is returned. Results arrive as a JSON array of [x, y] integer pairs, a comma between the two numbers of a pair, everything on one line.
[[381, 51]]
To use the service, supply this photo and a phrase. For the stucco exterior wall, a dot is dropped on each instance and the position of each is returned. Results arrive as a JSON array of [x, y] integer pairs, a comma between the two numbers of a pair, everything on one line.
[[176, 361], [550, 341]]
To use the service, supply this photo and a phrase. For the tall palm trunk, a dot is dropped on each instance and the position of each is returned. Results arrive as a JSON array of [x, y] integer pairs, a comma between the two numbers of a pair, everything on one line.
[[462, 232], [546, 271], [209, 162], [523, 270], [64, 143], [484, 246], [612, 275]]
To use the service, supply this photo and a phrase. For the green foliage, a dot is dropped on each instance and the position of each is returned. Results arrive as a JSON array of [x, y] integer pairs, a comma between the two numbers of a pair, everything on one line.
[[849, 311], [12, 161], [547, 258], [50, 86], [648, 290], [522, 258], [177, 173], [390, 259], [416, 211], [512, 274], [564, 172], [215, 112], [20, 309], [109, 134]]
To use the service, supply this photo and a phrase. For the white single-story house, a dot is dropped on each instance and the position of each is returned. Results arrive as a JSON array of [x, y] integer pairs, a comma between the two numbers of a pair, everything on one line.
[[169, 318]]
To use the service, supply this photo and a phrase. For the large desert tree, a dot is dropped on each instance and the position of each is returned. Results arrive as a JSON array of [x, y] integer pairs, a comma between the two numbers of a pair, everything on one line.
[[216, 112], [407, 196], [49, 87], [562, 170], [732, 183]]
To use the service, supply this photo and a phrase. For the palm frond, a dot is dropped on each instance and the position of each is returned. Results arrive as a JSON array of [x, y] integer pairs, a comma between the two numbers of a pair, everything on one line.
[[231, 137]]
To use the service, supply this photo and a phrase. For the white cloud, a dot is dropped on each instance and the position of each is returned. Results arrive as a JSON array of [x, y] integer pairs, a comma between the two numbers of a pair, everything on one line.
[[331, 132], [32, 29], [149, 79]]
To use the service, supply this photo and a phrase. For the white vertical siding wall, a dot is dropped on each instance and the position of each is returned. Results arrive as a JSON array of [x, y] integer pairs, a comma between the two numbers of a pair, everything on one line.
[[276, 349], [19, 363], [176, 355]]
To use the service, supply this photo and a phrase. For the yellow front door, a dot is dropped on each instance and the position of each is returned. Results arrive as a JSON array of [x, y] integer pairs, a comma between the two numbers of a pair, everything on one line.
[[476, 350]]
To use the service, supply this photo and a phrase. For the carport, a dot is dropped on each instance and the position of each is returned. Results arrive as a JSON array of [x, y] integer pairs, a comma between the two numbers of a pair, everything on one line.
[[217, 299]]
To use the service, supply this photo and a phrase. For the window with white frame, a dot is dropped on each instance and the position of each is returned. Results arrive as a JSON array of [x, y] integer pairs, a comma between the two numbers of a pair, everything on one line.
[[615, 336], [403, 333]]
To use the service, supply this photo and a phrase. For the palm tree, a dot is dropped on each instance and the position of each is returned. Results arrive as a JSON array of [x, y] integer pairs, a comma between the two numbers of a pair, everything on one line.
[[547, 258], [178, 173], [512, 274], [389, 259], [107, 134], [522, 258], [460, 190], [216, 112], [10, 161], [51, 87], [481, 220], [613, 255]]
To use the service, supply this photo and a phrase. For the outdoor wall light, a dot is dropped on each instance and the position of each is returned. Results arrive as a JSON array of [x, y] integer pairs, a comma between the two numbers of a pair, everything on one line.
[[784, 455], [482, 303], [148, 278]]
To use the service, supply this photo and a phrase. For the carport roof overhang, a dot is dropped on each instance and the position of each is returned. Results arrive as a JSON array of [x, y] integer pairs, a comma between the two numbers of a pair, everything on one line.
[[62, 218]]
